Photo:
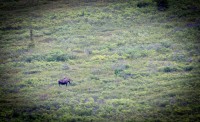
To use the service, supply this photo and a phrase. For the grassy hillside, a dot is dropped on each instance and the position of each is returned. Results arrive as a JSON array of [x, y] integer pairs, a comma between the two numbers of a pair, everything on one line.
[[128, 62]]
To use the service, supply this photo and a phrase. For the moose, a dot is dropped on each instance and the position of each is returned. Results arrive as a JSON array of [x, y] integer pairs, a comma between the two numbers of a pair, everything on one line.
[[64, 81]]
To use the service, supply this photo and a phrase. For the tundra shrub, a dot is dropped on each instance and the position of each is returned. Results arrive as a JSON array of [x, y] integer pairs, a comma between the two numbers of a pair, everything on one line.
[[58, 56], [49, 57], [188, 68], [169, 69]]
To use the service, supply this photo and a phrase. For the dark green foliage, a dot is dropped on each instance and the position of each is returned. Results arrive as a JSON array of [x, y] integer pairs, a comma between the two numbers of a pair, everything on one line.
[[166, 44], [118, 71], [8, 0], [169, 69], [188, 68], [31, 34], [121, 72], [7, 28], [162, 5], [56, 56], [94, 78], [143, 4]]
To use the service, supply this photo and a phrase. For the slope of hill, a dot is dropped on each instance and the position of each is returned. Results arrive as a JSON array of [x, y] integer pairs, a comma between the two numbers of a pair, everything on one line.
[[128, 61]]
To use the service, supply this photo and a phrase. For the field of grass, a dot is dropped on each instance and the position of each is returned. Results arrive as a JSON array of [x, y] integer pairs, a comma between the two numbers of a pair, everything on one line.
[[127, 63]]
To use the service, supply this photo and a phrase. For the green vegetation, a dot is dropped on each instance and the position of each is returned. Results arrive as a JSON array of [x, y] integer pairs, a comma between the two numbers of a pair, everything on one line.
[[129, 61]]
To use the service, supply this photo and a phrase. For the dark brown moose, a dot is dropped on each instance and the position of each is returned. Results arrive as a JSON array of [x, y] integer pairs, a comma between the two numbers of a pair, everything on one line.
[[64, 81]]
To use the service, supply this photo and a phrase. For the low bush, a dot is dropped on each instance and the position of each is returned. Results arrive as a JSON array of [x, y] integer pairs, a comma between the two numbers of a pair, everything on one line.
[[134, 54], [162, 5], [143, 4], [117, 71], [169, 69], [188, 68], [166, 44]]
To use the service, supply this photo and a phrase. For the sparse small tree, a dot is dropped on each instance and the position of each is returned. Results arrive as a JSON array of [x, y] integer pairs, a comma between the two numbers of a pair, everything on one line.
[[31, 34]]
